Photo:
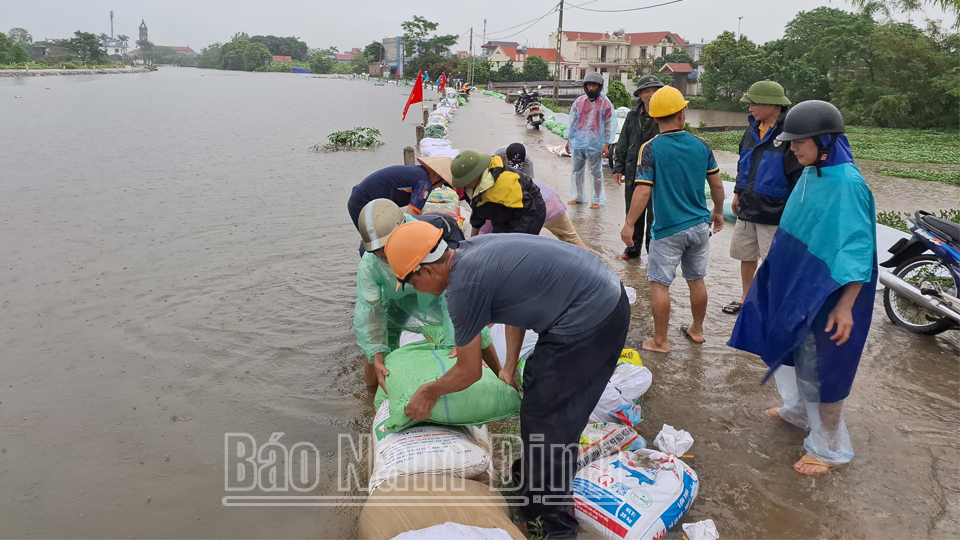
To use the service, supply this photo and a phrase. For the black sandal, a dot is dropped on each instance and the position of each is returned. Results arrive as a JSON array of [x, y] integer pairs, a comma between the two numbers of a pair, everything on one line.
[[732, 308]]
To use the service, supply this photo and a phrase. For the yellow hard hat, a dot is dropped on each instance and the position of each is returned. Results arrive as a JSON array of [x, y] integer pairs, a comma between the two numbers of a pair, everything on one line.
[[411, 245], [666, 101]]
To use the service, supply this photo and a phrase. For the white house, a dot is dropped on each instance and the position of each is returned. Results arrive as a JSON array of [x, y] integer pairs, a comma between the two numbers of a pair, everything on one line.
[[114, 47], [611, 53], [517, 56]]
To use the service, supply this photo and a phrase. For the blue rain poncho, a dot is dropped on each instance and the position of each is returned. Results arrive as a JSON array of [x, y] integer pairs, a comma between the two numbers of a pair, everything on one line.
[[382, 312], [592, 124]]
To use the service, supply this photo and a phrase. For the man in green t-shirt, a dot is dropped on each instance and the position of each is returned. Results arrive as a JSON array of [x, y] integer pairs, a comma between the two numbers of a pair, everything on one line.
[[672, 169]]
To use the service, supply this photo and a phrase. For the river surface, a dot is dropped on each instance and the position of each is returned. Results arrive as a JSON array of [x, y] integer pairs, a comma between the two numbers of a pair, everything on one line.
[[178, 265]]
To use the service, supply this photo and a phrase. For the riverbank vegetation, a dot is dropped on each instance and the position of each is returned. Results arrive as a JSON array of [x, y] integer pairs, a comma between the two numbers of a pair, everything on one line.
[[361, 138], [898, 220], [877, 71]]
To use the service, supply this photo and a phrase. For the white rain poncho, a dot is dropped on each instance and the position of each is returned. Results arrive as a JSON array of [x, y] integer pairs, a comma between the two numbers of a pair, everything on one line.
[[382, 312], [592, 124]]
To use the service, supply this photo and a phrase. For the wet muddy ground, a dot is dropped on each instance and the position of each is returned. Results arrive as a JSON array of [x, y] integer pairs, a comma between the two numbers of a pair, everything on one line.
[[194, 275]]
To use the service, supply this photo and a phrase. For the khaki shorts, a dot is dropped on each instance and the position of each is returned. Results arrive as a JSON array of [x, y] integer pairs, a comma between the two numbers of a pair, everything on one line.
[[751, 241], [562, 228]]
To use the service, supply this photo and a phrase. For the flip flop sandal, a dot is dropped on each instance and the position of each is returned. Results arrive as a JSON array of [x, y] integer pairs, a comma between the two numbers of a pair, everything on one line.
[[732, 308], [807, 460], [684, 329]]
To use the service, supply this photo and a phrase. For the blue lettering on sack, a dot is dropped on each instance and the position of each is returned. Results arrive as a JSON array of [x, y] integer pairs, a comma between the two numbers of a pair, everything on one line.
[[675, 511], [628, 515]]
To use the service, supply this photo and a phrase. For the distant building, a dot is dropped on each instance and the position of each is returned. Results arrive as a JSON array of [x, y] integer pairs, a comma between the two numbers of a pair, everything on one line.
[[114, 47], [463, 54], [511, 55], [282, 59], [347, 57], [48, 51], [683, 77], [185, 51], [392, 53], [489, 47], [613, 53], [143, 31]]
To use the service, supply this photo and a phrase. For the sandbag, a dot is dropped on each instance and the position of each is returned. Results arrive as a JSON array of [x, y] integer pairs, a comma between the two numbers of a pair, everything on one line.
[[412, 366], [444, 200], [620, 401], [634, 495], [385, 514], [454, 530], [462, 452]]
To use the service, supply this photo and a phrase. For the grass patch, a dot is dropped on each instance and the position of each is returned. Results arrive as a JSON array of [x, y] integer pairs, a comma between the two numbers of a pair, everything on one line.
[[723, 140], [727, 178], [361, 138], [555, 107], [904, 145], [947, 177], [898, 220]]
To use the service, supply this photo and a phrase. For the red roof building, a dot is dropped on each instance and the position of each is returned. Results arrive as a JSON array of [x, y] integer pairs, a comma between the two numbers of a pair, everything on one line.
[[677, 67], [613, 53], [282, 59]]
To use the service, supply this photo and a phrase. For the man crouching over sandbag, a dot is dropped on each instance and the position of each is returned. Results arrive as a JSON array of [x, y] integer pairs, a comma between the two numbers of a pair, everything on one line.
[[564, 293]]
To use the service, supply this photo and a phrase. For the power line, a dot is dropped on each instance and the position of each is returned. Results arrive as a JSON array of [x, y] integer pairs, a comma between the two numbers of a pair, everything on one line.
[[533, 21], [622, 10]]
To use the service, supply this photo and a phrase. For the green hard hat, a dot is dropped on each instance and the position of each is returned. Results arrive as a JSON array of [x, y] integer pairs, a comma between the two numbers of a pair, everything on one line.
[[468, 166], [765, 93]]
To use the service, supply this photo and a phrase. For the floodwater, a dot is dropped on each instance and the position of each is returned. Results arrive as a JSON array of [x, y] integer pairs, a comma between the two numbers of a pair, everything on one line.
[[177, 265]]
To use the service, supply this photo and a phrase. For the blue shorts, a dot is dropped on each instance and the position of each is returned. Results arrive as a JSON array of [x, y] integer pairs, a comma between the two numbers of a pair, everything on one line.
[[689, 248]]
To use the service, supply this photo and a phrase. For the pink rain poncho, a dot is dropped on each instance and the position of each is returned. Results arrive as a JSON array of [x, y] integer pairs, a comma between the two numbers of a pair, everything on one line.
[[592, 124]]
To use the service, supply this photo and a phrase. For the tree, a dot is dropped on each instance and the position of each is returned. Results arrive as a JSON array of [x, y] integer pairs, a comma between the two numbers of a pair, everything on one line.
[[617, 94], [360, 62], [677, 56], [425, 51], [640, 67], [374, 51], [729, 67], [284, 46], [231, 53], [209, 57], [321, 63], [86, 46], [103, 37], [536, 69], [20, 35], [123, 39], [948, 6], [256, 55], [11, 52], [342, 69], [507, 72]]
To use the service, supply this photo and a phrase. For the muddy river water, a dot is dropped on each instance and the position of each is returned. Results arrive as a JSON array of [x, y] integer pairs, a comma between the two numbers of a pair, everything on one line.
[[176, 265]]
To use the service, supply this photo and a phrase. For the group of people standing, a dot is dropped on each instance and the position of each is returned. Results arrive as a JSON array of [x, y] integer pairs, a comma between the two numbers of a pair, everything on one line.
[[804, 210]]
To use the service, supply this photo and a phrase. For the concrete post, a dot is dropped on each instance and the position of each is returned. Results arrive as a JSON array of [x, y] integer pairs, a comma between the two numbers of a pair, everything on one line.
[[420, 133], [434, 106], [408, 156], [426, 115]]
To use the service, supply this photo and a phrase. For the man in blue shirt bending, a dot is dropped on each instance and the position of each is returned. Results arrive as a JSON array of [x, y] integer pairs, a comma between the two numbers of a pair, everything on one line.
[[672, 168]]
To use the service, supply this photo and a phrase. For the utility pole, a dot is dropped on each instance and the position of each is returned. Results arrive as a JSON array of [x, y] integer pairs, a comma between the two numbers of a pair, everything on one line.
[[739, 19], [111, 24], [473, 59], [484, 32], [556, 71]]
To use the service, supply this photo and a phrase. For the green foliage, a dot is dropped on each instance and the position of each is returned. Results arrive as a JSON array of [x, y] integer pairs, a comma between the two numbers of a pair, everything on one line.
[[904, 146], [70, 65], [361, 138], [209, 57], [256, 55], [888, 6], [321, 63], [536, 68], [374, 51], [698, 102], [727, 178], [360, 63], [86, 46], [426, 51], [342, 69], [897, 220], [887, 74], [507, 72], [946, 177], [281, 67], [676, 56], [284, 46], [555, 107], [11, 52], [617, 94], [723, 140]]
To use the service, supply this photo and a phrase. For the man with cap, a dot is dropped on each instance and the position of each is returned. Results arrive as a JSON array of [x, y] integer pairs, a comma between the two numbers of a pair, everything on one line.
[[766, 173], [638, 128], [506, 197], [565, 294], [406, 185], [672, 168], [556, 220], [382, 311]]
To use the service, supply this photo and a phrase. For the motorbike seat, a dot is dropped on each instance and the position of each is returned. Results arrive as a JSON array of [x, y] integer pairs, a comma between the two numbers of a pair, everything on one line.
[[947, 229]]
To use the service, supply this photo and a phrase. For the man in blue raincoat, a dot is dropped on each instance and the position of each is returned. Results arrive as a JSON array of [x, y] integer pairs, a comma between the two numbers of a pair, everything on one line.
[[809, 309]]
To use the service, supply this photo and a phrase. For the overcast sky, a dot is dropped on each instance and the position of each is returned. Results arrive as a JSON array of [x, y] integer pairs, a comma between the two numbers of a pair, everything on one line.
[[345, 24]]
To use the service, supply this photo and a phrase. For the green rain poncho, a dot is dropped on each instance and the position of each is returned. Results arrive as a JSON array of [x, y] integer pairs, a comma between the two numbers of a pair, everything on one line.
[[382, 312]]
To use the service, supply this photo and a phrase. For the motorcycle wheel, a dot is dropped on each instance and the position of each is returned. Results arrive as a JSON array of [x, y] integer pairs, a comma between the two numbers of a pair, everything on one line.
[[536, 126], [907, 314], [519, 107]]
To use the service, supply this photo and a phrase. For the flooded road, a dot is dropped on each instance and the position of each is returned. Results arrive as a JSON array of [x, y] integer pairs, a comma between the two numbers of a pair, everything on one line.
[[177, 266]]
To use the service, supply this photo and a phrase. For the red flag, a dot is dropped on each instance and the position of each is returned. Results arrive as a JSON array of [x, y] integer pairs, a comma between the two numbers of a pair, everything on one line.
[[443, 82], [416, 95]]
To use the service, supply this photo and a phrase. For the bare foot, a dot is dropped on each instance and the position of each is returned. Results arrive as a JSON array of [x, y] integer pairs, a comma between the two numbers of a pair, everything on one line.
[[773, 413], [573, 202], [623, 257], [594, 206], [810, 466], [652, 346]]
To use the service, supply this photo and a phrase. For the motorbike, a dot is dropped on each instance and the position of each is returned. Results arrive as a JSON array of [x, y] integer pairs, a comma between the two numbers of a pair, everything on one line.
[[520, 106], [534, 111], [921, 291], [465, 92]]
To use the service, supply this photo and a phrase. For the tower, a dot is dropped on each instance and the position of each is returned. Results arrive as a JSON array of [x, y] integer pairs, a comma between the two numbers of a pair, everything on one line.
[[143, 31], [111, 24]]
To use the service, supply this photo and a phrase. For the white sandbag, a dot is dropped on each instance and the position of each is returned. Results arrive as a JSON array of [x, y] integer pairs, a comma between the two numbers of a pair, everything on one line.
[[407, 337], [628, 383], [631, 294], [442, 152], [498, 333], [450, 530], [462, 452], [602, 439], [622, 112], [558, 149], [634, 495], [430, 142], [701, 530]]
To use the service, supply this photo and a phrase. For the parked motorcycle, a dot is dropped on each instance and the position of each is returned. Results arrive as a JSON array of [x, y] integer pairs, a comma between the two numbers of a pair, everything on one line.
[[520, 106], [921, 292], [534, 111]]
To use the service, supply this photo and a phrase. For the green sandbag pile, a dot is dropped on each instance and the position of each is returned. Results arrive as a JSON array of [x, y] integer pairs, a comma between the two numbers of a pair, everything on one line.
[[728, 214], [557, 127], [434, 131], [461, 100], [414, 365]]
